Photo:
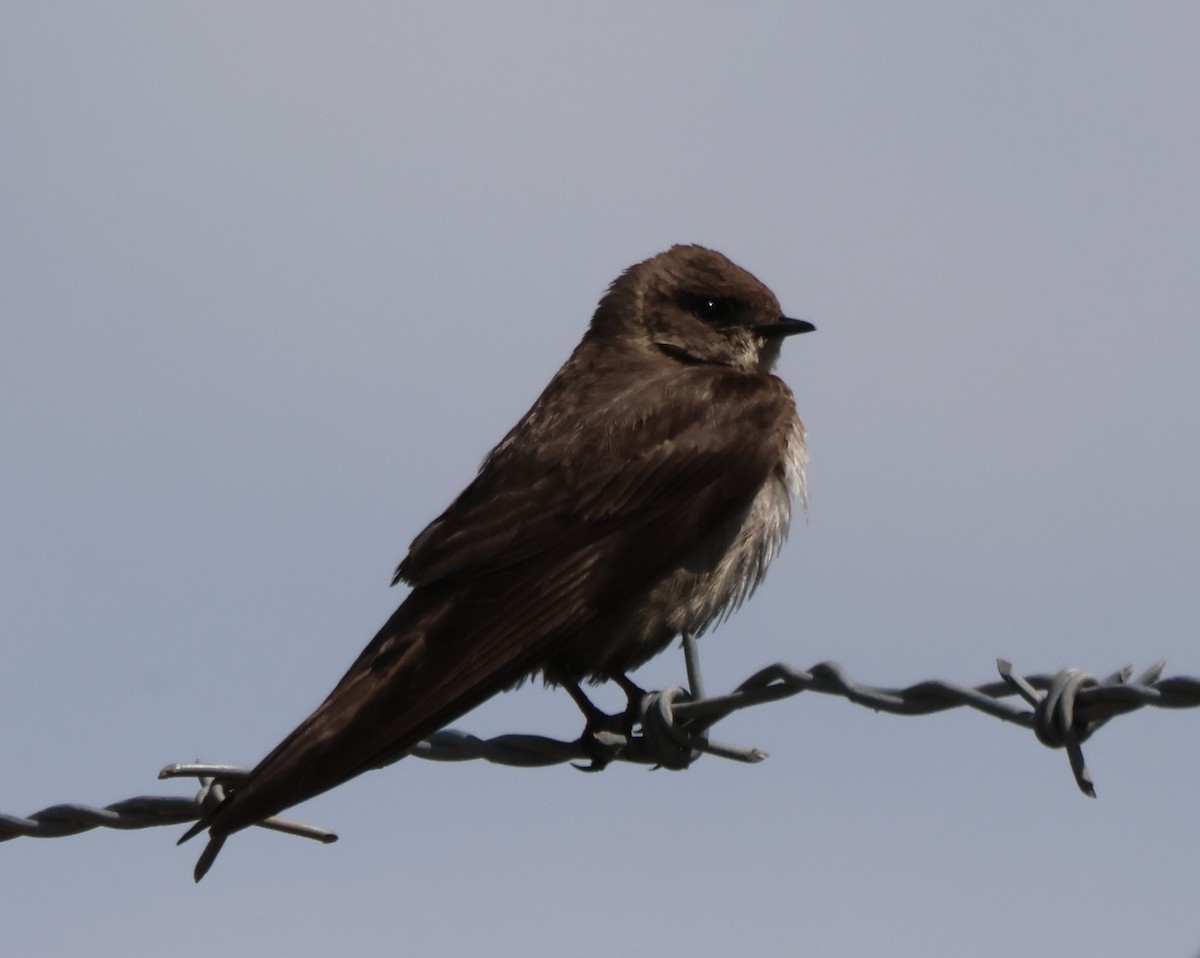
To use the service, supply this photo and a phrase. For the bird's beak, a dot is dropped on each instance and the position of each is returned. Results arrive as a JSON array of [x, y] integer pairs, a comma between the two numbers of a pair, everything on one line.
[[784, 326]]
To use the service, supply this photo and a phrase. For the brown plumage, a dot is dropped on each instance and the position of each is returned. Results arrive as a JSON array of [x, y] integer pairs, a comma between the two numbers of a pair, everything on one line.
[[642, 496]]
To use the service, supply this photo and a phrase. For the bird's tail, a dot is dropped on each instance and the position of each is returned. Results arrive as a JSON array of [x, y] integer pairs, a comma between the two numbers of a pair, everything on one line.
[[412, 679], [211, 850]]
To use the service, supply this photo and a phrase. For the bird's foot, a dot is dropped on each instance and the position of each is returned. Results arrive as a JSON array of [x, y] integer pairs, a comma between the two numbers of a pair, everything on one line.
[[604, 735]]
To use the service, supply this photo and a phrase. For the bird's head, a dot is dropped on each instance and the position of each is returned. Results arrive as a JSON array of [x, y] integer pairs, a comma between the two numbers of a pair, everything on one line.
[[697, 307]]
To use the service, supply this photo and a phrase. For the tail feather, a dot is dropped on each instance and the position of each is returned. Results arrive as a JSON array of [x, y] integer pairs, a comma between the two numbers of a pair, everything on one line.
[[196, 829], [208, 856], [401, 689]]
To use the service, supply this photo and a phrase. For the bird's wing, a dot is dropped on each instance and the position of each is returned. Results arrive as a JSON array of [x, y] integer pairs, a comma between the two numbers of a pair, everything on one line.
[[660, 464]]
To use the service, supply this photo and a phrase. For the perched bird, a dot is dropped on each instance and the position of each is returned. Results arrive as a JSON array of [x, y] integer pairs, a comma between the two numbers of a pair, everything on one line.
[[641, 497]]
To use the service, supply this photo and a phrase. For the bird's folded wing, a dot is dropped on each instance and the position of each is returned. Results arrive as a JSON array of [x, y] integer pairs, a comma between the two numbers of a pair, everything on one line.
[[668, 472]]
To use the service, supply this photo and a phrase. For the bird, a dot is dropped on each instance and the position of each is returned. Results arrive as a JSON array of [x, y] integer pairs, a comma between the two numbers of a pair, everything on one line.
[[641, 498]]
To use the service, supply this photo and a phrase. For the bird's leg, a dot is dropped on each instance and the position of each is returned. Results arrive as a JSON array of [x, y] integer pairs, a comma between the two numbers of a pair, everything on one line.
[[596, 720], [634, 694], [592, 714], [599, 720]]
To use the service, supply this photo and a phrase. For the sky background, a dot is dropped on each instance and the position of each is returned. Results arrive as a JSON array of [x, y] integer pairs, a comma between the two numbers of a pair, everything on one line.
[[275, 277]]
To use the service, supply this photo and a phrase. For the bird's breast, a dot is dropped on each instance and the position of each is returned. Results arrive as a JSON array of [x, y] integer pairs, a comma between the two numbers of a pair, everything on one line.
[[757, 539], [705, 586]]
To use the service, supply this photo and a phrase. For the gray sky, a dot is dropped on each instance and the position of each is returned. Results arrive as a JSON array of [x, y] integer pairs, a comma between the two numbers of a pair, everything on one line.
[[276, 276]]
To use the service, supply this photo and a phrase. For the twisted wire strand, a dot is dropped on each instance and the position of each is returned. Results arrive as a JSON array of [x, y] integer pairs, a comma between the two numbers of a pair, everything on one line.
[[1063, 710]]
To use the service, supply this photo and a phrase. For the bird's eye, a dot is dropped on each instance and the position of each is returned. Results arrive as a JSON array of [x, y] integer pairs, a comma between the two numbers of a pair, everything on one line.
[[712, 309]]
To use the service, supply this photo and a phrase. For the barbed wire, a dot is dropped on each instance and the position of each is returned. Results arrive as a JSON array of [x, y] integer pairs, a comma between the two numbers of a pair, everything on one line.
[[671, 731]]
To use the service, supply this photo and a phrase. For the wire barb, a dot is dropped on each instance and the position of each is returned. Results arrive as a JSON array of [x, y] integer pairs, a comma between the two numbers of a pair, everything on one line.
[[1063, 710]]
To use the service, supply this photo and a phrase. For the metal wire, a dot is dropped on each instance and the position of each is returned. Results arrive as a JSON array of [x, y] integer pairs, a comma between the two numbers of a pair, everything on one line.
[[1063, 710]]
